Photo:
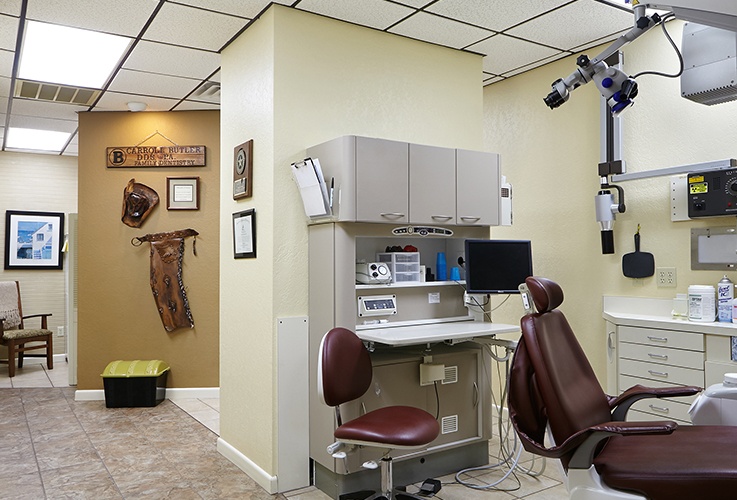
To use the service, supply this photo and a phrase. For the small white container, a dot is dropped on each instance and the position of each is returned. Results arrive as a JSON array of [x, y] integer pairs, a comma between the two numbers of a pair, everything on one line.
[[701, 303]]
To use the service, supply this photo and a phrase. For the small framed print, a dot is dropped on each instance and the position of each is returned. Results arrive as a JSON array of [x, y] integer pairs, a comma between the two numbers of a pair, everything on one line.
[[243, 170], [182, 193], [34, 240], [244, 234]]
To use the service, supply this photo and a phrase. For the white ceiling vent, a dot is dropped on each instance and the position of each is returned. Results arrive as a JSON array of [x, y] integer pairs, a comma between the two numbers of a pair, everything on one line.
[[207, 89], [55, 93]]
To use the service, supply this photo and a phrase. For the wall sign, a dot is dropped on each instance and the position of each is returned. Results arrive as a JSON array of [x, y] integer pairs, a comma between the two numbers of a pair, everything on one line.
[[156, 156]]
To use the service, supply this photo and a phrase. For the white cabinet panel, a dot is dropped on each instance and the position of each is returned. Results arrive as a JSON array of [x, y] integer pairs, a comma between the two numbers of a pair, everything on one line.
[[382, 180], [478, 181], [432, 187]]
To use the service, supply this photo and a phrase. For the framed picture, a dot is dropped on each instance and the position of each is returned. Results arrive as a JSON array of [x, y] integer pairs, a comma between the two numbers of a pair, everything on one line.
[[182, 193], [33, 240], [244, 234], [243, 170]]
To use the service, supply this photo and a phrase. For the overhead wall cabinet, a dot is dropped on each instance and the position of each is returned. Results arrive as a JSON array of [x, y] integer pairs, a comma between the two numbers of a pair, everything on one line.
[[378, 180]]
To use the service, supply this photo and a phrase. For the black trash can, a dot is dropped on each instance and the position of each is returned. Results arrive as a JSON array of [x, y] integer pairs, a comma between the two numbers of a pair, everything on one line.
[[135, 383]]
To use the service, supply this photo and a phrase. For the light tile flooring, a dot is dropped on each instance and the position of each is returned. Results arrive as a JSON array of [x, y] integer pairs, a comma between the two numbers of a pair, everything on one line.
[[55, 447]]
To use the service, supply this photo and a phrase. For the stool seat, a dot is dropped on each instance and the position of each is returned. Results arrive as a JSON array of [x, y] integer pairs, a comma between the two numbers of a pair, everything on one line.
[[396, 426]]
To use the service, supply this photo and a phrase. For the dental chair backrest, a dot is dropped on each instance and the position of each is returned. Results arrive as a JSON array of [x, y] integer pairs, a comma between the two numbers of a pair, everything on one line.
[[552, 382]]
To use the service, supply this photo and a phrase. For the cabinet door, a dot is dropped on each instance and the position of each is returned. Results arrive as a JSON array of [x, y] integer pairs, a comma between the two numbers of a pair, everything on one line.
[[477, 183], [382, 180], [432, 193]]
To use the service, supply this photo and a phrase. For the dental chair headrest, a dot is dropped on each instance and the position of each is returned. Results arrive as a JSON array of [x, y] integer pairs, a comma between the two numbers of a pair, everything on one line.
[[546, 294]]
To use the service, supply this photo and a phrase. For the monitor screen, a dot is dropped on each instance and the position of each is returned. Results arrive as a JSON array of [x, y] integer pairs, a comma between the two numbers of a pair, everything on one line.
[[497, 266]]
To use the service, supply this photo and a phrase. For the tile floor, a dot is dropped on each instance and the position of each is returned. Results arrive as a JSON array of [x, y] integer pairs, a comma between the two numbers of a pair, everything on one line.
[[55, 447]]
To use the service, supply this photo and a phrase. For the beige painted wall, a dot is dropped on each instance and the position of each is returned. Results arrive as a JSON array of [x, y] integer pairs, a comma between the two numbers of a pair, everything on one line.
[[38, 183], [118, 318], [550, 157], [291, 81]]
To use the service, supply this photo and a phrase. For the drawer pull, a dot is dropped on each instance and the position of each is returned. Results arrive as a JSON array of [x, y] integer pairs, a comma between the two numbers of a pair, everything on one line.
[[469, 218], [392, 214], [658, 356], [657, 339], [442, 217], [658, 374], [659, 409]]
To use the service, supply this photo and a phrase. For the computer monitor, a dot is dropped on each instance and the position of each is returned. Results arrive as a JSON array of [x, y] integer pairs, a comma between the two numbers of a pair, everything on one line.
[[497, 266]]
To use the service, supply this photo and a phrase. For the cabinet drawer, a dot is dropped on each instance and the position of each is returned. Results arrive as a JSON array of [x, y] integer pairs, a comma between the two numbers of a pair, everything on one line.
[[662, 338], [664, 408], [664, 373], [625, 382], [641, 416], [662, 355]]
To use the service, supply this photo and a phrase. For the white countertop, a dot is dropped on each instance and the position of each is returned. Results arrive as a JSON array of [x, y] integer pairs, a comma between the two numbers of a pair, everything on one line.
[[452, 332], [656, 313]]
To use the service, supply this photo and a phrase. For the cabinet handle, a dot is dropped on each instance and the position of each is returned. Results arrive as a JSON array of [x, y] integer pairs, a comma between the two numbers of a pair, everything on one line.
[[659, 408], [657, 339], [475, 394], [610, 341], [470, 217], [658, 356], [658, 374], [443, 217], [391, 214]]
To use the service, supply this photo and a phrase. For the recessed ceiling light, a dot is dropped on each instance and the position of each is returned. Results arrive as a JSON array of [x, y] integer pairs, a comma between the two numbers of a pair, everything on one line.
[[69, 56], [35, 140]]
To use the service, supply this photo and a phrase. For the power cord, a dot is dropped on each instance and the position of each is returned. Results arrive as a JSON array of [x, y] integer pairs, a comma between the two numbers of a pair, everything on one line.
[[675, 47]]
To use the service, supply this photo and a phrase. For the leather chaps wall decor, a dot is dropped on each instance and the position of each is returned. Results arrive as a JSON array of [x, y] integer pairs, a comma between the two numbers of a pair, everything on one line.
[[167, 252]]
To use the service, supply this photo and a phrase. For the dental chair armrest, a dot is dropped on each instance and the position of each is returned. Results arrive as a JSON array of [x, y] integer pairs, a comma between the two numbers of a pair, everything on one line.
[[589, 438], [584, 454], [622, 403]]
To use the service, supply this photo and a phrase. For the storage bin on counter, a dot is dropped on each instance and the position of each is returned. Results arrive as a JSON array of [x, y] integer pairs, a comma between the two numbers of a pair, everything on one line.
[[135, 383]]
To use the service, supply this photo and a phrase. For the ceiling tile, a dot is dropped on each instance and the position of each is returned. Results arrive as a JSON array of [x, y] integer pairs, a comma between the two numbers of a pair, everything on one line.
[[71, 150], [191, 27], [6, 63], [36, 122], [587, 20], [377, 14], [110, 16], [505, 53], [172, 60], [4, 87], [537, 64], [215, 77], [44, 109], [243, 8], [151, 84], [11, 7], [193, 105], [114, 101], [435, 29], [495, 16], [8, 32]]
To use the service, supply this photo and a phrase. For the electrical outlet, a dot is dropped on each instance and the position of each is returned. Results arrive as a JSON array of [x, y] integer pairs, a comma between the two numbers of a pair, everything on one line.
[[59, 331], [666, 277]]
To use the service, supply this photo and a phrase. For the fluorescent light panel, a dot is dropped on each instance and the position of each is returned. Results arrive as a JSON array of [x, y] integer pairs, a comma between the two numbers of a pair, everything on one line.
[[69, 56], [35, 140]]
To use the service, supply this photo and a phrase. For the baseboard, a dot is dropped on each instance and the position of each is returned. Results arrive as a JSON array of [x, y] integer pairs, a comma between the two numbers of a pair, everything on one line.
[[171, 393], [265, 480]]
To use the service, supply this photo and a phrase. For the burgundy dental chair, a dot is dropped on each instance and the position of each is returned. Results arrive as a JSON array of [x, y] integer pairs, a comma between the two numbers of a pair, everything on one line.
[[344, 373], [552, 386]]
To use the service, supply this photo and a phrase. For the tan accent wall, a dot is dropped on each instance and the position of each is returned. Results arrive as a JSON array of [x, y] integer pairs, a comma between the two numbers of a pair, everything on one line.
[[118, 318]]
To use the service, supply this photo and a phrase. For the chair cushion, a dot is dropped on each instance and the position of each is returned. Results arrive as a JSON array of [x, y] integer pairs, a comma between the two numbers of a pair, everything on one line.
[[692, 462], [393, 426], [546, 294], [24, 334]]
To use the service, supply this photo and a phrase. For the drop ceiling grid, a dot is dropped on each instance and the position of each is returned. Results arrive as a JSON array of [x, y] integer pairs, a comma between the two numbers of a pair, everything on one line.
[[378, 14], [8, 32], [192, 27], [109, 16], [439, 30], [502, 16], [151, 84], [243, 8], [574, 25], [11, 7], [155, 57], [505, 53]]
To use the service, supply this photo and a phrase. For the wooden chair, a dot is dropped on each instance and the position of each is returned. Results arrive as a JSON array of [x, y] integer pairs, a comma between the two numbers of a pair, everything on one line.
[[13, 332]]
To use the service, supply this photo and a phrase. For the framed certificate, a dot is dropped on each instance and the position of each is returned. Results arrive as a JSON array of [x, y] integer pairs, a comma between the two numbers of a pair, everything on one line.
[[182, 193], [244, 234]]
